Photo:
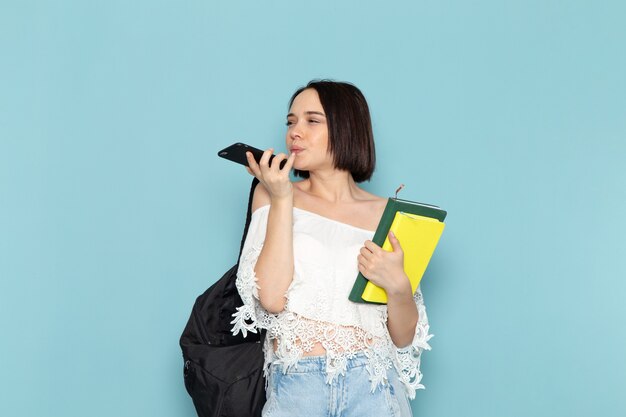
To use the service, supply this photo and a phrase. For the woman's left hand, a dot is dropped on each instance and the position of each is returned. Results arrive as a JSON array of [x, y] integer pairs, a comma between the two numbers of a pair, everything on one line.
[[383, 268]]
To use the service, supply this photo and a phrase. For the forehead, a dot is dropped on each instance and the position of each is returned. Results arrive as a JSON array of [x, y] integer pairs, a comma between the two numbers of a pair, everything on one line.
[[307, 100]]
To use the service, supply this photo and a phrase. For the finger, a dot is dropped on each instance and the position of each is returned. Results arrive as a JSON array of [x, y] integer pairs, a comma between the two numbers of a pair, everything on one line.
[[362, 261], [366, 253], [290, 161], [276, 162], [395, 243], [252, 165], [265, 158], [373, 247], [367, 273]]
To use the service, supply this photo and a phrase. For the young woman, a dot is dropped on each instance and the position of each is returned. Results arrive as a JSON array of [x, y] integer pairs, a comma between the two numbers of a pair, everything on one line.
[[307, 241]]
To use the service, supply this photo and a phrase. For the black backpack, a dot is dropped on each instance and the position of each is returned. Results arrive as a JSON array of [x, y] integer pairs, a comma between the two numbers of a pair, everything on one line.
[[223, 373]]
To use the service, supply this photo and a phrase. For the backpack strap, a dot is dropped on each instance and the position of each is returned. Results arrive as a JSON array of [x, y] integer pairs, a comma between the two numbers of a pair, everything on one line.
[[255, 181]]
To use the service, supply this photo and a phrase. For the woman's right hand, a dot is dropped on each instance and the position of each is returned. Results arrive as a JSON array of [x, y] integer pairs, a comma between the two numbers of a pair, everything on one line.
[[275, 180]]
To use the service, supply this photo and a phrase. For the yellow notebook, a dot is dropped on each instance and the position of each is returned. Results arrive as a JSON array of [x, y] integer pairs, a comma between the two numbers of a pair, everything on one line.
[[418, 236]]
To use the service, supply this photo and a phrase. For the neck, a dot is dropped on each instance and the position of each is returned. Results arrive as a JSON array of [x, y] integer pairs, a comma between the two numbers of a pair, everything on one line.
[[333, 186]]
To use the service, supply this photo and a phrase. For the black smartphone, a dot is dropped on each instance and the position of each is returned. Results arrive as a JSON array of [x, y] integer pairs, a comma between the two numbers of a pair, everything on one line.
[[237, 153]]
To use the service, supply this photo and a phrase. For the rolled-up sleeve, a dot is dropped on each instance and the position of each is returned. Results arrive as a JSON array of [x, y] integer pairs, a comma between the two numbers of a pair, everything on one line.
[[408, 359]]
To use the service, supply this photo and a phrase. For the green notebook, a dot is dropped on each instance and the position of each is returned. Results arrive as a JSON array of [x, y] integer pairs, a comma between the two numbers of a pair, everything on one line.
[[394, 205]]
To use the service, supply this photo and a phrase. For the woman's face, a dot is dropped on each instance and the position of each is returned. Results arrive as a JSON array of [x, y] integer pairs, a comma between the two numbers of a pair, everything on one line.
[[307, 132]]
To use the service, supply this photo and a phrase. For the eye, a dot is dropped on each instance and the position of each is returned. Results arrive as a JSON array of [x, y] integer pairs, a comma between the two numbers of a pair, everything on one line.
[[289, 123], [313, 121]]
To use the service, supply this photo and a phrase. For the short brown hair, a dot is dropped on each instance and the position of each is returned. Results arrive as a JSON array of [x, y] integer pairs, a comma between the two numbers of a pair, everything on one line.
[[350, 136]]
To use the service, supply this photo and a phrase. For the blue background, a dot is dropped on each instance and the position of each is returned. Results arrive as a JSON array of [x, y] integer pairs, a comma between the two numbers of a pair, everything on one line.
[[116, 212]]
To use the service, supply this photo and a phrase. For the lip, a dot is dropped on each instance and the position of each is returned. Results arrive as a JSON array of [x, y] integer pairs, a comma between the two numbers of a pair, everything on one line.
[[296, 149]]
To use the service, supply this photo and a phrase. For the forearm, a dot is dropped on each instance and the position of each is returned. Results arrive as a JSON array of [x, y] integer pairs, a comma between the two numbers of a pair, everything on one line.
[[274, 266], [402, 315]]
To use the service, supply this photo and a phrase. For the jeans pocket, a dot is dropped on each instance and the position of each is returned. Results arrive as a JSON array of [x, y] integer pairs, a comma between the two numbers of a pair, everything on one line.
[[391, 399], [397, 397]]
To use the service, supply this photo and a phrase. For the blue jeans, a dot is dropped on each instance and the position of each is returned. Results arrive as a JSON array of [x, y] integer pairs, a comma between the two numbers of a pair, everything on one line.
[[303, 391]]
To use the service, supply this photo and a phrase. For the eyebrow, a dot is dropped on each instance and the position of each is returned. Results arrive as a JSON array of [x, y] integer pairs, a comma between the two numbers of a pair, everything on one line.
[[308, 113]]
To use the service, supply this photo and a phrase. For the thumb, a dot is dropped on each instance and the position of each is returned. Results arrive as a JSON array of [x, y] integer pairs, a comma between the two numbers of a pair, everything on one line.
[[395, 243]]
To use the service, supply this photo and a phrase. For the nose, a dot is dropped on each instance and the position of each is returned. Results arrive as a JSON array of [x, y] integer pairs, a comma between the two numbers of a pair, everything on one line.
[[295, 132]]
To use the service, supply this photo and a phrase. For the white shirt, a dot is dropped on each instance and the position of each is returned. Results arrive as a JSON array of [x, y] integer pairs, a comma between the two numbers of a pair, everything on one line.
[[318, 309]]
